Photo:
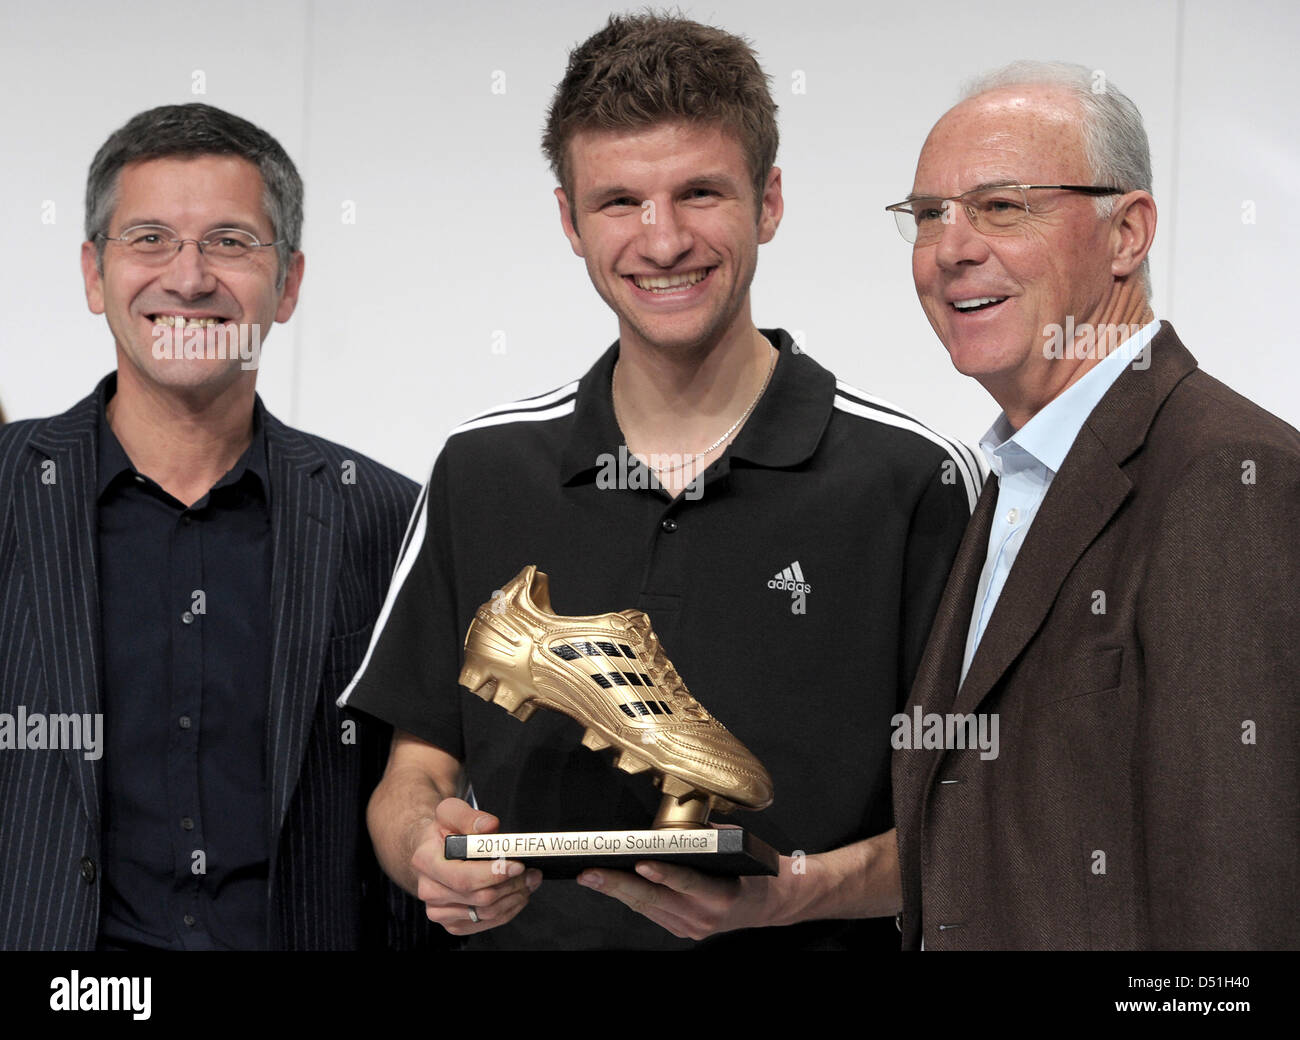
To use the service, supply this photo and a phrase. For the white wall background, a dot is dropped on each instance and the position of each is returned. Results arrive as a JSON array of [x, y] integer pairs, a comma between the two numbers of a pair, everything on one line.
[[388, 105]]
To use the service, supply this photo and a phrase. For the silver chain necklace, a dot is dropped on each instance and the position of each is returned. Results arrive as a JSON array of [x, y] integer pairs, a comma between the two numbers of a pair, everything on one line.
[[613, 390]]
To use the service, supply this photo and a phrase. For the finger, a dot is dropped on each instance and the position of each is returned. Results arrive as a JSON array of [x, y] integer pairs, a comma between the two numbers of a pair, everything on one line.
[[457, 920], [464, 875], [660, 905], [452, 887], [685, 880], [501, 910], [434, 892], [429, 860], [472, 917], [455, 816]]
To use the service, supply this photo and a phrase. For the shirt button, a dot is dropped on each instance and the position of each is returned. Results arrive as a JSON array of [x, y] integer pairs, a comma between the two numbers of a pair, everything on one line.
[[185, 722], [1013, 516], [88, 870], [188, 618], [138, 479], [669, 525], [187, 824], [187, 519], [189, 920]]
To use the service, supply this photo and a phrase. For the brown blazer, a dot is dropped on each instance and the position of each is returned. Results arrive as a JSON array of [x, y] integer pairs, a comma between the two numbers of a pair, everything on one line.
[[1144, 663]]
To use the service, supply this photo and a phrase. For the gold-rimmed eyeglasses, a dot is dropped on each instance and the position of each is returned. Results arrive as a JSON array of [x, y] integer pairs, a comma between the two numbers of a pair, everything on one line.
[[998, 209]]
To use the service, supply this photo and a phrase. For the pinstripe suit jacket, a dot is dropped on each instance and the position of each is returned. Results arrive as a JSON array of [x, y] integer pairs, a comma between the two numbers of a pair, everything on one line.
[[336, 530]]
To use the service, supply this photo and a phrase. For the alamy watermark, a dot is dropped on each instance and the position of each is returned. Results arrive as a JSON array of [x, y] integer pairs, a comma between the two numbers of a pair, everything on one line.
[[629, 472], [951, 732], [36, 731], [1086, 342], [207, 340], [73, 992]]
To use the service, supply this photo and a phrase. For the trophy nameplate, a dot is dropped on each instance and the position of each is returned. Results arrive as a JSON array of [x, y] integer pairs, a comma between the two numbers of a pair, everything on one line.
[[723, 851]]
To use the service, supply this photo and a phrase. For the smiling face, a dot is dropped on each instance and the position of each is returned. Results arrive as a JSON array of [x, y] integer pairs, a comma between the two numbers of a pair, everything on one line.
[[666, 221], [193, 196], [991, 297]]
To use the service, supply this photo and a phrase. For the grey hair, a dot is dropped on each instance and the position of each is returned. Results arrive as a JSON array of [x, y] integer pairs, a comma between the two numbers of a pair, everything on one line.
[[1114, 139], [193, 130]]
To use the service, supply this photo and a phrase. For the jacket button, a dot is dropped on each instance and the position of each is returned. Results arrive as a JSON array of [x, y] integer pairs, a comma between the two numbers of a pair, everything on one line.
[[669, 525], [88, 869]]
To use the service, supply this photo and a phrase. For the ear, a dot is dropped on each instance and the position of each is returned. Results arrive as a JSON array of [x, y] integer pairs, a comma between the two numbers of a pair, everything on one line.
[[1132, 230], [769, 216], [292, 286], [93, 279], [567, 222]]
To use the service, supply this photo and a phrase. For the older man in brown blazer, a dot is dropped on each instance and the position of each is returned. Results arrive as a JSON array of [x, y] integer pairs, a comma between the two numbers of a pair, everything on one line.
[[1123, 617]]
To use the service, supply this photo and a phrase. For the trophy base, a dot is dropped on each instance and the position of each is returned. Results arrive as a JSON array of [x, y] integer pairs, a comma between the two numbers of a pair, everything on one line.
[[724, 852]]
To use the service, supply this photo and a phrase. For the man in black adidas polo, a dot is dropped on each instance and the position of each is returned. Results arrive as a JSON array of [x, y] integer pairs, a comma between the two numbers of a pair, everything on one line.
[[789, 538]]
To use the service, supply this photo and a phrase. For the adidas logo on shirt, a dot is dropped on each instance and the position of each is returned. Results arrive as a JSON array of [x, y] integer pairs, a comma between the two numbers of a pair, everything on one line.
[[792, 578]]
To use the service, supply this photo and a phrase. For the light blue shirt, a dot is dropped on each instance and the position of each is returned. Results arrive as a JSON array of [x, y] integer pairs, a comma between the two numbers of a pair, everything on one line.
[[1026, 461]]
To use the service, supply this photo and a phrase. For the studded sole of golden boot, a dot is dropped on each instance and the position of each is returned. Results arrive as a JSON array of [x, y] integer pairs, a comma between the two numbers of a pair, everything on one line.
[[609, 673]]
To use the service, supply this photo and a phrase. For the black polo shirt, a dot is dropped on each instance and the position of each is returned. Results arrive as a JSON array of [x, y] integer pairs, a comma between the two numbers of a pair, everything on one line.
[[823, 488], [185, 615]]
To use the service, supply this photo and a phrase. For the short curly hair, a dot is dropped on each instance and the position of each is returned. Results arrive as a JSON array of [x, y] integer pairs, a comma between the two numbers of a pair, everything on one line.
[[650, 68]]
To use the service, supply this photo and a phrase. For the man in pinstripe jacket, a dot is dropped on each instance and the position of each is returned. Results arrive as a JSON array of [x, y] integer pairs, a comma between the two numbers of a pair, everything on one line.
[[186, 584]]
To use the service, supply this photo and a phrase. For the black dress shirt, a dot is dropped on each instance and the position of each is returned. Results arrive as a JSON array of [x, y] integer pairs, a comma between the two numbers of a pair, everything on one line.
[[185, 594]]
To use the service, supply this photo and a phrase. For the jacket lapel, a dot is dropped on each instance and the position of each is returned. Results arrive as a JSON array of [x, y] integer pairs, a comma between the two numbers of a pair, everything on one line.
[[935, 685], [1086, 493], [307, 542], [1082, 498], [57, 525]]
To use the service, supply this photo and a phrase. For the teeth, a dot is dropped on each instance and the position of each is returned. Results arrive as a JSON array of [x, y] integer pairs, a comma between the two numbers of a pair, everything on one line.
[[660, 283], [178, 321], [965, 305]]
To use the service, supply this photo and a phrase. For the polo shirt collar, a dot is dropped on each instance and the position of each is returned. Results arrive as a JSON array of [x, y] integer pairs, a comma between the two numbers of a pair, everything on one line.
[[784, 429], [595, 432], [114, 461]]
